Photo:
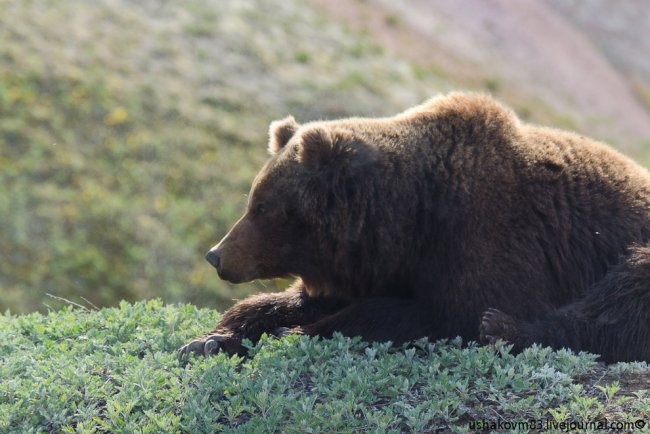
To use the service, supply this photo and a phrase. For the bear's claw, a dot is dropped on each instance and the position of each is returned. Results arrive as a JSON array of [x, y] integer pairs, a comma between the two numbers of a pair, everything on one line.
[[201, 346], [497, 325]]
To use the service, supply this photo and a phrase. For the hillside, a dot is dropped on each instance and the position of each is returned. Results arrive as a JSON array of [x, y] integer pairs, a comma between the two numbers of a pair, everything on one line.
[[130, 131], [576, 65]]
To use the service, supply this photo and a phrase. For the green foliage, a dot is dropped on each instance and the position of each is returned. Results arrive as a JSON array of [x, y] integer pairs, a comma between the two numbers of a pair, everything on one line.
[[392, 20], [643, 93], [116, 370], [78, 371], [493, 84]]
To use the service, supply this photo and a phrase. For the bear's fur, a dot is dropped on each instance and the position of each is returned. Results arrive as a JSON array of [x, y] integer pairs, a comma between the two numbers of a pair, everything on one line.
[[450, 219]]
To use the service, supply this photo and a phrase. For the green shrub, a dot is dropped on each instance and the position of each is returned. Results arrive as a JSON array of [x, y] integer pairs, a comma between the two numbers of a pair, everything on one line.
[[116, 370]]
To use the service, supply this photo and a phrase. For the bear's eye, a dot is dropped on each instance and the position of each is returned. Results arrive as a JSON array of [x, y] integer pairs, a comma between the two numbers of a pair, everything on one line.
[[259, 209]]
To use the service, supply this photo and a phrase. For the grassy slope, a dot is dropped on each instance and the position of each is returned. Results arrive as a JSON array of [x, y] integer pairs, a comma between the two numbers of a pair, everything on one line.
[[116, 370], [130, 132]]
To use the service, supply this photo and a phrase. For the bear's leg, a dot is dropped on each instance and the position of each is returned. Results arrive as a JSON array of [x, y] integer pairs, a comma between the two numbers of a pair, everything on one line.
[[612, 319], [377, 319], [262, 313]]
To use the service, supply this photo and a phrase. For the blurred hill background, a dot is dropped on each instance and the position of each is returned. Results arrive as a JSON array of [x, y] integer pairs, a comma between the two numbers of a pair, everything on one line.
[[130, 130]]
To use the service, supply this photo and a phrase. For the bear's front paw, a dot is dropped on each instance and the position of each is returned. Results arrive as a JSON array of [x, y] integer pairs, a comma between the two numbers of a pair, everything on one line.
[[208, 345], [497, 325]]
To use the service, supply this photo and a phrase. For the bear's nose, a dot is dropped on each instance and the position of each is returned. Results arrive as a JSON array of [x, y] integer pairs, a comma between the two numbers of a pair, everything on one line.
[[213, 258]]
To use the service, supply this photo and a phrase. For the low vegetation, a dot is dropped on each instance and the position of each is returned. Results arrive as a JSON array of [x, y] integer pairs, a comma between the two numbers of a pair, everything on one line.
[[115, 370]]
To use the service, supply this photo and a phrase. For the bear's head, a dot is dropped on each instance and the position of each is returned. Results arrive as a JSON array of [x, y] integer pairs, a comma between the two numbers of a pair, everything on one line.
[[306, 207]]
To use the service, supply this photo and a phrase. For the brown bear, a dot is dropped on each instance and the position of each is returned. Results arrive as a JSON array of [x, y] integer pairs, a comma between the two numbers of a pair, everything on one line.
[[450, 219]]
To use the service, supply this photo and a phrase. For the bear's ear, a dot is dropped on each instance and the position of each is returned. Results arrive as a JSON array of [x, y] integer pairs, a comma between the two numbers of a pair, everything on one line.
[[321, 147], [280, 132]]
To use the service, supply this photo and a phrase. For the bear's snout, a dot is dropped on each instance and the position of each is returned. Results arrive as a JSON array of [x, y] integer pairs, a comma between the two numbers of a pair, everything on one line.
[[213, 258], [227, 262], [241, 255]]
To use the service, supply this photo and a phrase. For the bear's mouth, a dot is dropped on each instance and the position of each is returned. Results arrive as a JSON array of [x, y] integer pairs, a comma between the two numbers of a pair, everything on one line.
[[229, 276], [232, 279]]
